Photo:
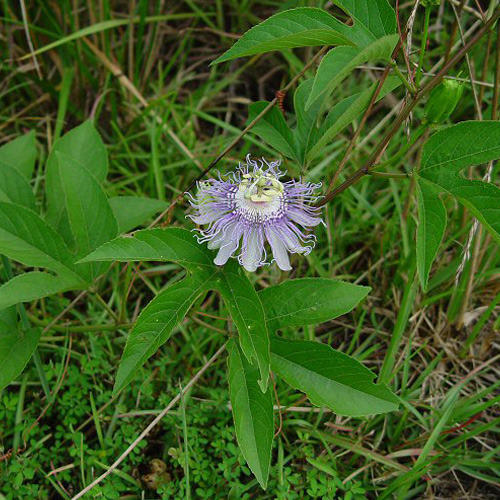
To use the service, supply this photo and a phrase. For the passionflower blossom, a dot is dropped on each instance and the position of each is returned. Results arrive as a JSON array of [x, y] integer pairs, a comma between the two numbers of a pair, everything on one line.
[[250, 206]]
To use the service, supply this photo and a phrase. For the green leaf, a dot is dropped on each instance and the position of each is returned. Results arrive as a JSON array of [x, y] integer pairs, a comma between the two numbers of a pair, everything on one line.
[[451, 150], [272, 128], [306, 131], [341, 61], [15, 188], [376, 16], [35, 285], [156, 323], [301, 27], [330, 378], [430, 229], [179, 245], [454, 148], [20, 154], [16, 349], [343, 113], [247, 312], [90, 217], [308, 301], [306, 140], [84, 147], [172, 244], [28, 239], [252, 413], [132, 211]]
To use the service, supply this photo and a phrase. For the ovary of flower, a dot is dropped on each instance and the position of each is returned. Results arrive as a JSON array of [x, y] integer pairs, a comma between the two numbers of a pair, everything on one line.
[[252, 206]]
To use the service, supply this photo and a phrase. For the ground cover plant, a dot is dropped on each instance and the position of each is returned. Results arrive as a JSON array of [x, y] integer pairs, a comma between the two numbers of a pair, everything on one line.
[[249, 249]]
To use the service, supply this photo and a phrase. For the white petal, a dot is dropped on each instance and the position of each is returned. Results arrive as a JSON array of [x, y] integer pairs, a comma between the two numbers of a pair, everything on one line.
[[230, 244], [280, 253], [225, 252], [302, 218], [216, 242], [224, 236], [290, 240], [252, 253], [204, 217]]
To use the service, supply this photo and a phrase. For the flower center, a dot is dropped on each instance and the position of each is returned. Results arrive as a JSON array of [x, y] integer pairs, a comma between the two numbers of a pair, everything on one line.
[[260, 187], [259, 196]]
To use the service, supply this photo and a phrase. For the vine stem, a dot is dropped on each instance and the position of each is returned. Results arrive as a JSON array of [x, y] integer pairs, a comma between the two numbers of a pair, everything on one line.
[[405, 112], [152, 424]]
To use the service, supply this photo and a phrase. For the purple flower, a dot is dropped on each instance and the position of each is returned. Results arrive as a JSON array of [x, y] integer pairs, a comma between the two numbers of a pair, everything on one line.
[[251, 206]]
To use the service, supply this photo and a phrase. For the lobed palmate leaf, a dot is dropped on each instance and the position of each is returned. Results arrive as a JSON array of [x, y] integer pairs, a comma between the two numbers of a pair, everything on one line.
[[179, 245], [444, 156]]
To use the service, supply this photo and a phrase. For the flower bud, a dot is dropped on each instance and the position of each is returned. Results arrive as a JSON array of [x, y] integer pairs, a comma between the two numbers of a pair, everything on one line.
[[443, 101]]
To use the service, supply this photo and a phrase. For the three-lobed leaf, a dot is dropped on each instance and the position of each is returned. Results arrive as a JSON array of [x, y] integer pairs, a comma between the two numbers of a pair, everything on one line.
[[252, 413], [372, 37], [328, 377], [179, 245], [444, 156]]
